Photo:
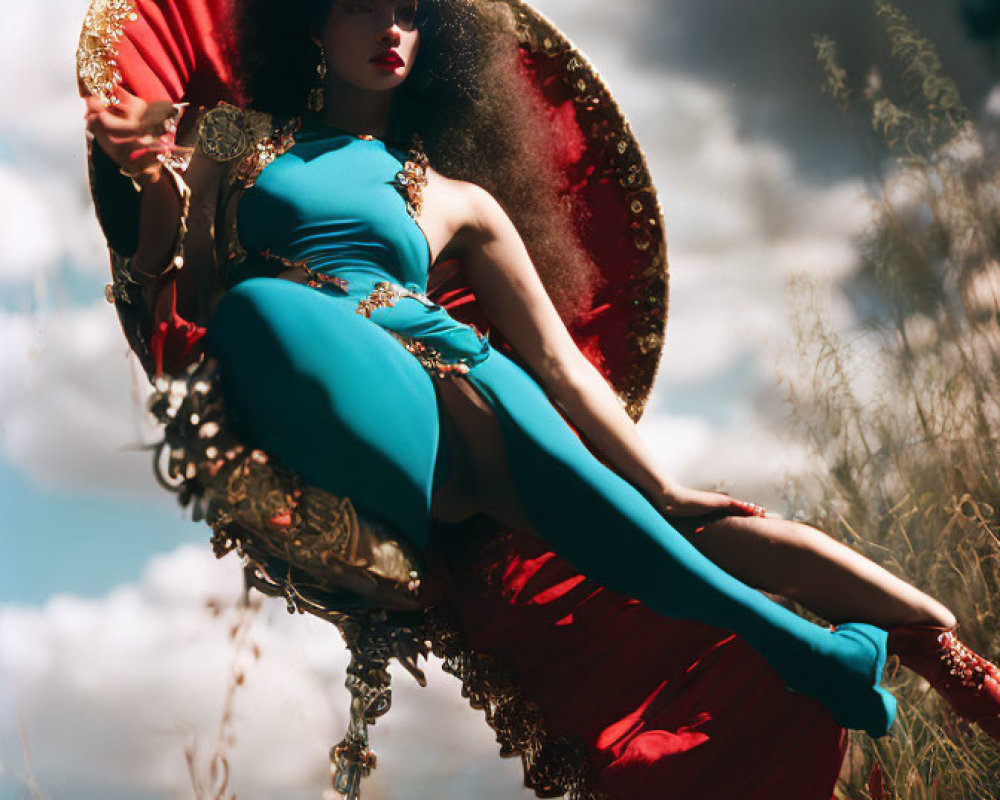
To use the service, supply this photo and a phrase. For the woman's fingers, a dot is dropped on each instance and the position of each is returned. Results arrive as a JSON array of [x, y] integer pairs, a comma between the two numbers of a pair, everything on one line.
[[126, 103], [162, 116], [748, 509], [689, 502], [745, 507], [136, 135]]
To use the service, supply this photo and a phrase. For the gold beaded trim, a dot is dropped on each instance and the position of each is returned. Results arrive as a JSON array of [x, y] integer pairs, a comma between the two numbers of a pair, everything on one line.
[[382, 295], [97, 51]]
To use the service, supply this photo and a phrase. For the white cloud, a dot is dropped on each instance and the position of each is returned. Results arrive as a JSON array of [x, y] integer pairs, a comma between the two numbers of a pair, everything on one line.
[[70, 400], [27, 229], [738, 218], [110, 689]]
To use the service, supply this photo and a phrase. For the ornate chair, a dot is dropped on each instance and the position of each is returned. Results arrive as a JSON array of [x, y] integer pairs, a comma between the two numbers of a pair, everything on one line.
[[306, 545]]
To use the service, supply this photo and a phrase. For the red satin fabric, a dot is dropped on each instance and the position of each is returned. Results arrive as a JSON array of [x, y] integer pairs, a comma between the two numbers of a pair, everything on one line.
[[668, 710], [174, 341], [178, 50]]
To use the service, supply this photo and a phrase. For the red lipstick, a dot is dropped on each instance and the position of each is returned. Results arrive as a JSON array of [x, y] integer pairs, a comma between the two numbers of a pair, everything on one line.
[[388, 59]]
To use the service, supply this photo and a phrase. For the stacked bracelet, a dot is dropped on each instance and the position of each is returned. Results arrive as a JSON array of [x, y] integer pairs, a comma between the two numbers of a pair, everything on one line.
[[184, 194]]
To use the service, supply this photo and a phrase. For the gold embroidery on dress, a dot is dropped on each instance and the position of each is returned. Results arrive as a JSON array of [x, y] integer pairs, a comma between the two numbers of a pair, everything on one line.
[[385, 294], [412, 178], [430, 358], [264, 144], [97, 51], [382, 295], [313, 278], [269, 143]]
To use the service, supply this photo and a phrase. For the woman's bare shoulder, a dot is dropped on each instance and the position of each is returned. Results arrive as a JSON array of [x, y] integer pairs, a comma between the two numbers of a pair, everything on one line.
[[466, 203]]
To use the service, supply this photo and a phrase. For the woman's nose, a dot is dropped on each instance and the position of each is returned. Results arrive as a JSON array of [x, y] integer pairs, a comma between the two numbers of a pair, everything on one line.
[[390, 35], [389, 31]]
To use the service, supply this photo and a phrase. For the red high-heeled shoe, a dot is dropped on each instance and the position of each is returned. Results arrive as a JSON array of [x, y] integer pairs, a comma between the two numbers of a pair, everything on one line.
[[969, 682]]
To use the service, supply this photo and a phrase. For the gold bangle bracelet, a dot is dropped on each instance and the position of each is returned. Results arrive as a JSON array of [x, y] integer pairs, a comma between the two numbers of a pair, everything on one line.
[[151, 278]]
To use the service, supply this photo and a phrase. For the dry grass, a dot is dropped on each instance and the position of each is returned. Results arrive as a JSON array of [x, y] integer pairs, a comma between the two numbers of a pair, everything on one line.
[[210, 772], [906, 415], [29, 787]]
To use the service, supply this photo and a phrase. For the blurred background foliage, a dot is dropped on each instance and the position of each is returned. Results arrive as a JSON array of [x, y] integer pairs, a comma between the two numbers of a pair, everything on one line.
[[906, 415]]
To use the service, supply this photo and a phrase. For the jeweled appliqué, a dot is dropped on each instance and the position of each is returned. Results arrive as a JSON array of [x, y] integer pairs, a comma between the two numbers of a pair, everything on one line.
[[97, 51], [970, 668], [385, 294], [313, 278], [430, 358], [412, 178], [269, 144]]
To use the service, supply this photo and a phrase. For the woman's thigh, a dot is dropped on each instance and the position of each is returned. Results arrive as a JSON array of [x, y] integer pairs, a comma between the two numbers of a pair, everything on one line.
[[330, 395], [478, 479]]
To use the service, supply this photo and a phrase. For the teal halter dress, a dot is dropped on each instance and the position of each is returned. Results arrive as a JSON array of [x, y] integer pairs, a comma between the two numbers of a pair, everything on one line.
[[337, 382]]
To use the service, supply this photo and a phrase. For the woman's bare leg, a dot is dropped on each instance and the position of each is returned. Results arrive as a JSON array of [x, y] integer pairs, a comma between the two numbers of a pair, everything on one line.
[[800, 562], [787, 559]]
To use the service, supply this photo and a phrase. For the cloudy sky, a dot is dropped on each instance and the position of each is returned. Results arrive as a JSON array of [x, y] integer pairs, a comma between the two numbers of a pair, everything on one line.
[[109, 660]]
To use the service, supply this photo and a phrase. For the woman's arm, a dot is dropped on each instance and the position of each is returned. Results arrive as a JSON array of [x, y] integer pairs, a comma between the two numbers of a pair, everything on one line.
[[508, 288], [136, 136]]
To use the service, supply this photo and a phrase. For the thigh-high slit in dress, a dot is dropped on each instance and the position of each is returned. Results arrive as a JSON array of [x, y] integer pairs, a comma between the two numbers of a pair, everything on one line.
[[339, 383]]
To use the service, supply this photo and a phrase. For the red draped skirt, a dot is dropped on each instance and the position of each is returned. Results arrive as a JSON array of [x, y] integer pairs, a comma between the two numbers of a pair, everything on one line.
[[660, 708]]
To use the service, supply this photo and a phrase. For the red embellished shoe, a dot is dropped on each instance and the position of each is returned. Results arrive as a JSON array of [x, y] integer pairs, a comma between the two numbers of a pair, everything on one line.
[[969, 682]]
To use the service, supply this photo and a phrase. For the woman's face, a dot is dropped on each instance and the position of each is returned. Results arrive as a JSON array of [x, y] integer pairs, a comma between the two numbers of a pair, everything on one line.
[[371, 44]]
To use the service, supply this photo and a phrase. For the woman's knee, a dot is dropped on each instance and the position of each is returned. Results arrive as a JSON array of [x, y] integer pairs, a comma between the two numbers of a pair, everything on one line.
[[764, 549]]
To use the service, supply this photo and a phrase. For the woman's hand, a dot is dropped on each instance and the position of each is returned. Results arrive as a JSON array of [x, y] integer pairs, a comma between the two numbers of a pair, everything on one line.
[[679, 501], [136, 135]]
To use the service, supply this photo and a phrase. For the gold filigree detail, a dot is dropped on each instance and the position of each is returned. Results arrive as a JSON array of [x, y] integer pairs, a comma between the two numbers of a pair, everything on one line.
[[386, 294], [264, 144], [313, 549], [313, 278], [553, 766], [267, 144], [383, 295], [431, 359], [234, 251], [222, 135], [179, 158], [412, 178], [601, 119], [122, 285], [258, 506], [97, 51]]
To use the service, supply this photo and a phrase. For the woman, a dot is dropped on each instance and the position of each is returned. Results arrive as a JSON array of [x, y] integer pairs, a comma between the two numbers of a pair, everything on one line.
[[346, 373]]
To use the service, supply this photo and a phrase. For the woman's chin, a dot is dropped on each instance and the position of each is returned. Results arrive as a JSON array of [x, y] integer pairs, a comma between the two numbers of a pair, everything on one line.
[[380, 79]]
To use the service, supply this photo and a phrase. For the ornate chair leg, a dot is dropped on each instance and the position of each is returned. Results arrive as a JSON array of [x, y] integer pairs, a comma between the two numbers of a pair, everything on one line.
[[372, 638], [351, 760]]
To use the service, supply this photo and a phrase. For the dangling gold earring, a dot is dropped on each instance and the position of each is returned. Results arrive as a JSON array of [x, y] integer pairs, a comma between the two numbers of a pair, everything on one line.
[[315, 101]]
